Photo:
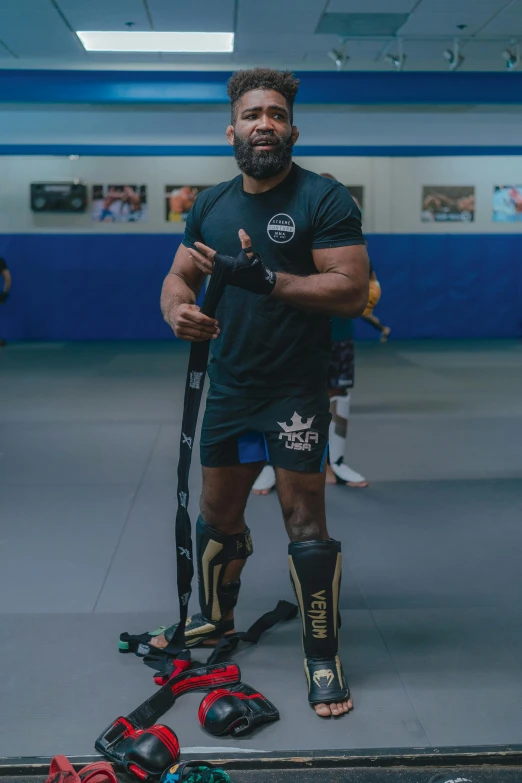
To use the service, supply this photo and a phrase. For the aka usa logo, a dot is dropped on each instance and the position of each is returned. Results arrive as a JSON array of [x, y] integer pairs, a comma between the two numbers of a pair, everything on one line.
[[281, 228], [298, 435]]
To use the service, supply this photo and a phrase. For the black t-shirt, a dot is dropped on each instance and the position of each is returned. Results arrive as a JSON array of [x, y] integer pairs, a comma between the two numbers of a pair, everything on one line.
[[266, 347]]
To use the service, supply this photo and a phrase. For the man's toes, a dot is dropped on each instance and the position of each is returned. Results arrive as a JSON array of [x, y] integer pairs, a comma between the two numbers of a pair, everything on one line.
[[336, 708], [158, 641], [323, 710]]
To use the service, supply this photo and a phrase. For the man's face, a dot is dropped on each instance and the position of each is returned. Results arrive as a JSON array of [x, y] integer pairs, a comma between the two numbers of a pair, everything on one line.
[[262, 135]]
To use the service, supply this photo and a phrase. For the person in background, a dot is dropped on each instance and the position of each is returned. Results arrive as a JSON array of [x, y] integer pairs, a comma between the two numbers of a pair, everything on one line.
[[373, 299], [340, 381], [6, 287]]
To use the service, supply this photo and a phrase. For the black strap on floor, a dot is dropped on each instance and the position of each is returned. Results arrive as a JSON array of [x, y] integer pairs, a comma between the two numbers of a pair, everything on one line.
[[227, 644], [193, 393], [164, 665]]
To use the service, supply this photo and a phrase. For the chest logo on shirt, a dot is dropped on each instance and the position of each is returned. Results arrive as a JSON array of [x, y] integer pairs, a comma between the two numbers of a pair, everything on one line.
[[281, 228]]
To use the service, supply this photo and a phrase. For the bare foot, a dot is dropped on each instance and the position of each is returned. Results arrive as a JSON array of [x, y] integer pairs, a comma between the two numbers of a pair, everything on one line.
[[384, 334], [265, 482], [159, 641], [331, 478], [327, 710]]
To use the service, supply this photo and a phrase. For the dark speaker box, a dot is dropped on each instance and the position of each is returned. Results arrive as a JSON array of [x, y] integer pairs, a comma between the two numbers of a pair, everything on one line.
[[58, 197]]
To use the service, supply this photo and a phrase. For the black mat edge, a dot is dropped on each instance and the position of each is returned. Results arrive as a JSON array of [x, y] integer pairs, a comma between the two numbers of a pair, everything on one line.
[[497, 755]]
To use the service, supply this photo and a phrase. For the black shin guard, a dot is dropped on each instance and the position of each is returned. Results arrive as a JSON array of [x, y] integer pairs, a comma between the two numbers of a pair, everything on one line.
[[216, 597], [315, 569], [214, 552]]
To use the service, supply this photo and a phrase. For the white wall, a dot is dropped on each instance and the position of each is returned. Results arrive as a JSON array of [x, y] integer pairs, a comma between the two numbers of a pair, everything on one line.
[[393, 188], [318, 125]]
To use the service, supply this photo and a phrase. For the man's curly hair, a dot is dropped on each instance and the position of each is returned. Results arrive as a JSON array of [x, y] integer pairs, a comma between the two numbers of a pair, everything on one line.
[[241, 82]]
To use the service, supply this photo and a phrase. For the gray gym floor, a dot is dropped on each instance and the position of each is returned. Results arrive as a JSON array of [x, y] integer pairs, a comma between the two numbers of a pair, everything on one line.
[[432, 585]]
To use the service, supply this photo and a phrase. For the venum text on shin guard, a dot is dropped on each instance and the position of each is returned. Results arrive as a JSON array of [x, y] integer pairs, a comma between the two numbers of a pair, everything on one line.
[[317, 614]]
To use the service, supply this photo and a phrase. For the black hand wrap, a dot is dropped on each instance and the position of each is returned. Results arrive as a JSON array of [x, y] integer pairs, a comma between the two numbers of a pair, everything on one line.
[[248, 273], [236, 711]]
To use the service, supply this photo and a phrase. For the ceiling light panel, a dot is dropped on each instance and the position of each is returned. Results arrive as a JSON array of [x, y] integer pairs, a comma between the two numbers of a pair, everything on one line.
[[283, 43], [147, 41]]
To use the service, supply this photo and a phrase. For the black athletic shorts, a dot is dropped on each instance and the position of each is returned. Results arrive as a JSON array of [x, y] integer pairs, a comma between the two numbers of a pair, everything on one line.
[[341, 371], [288, 432]]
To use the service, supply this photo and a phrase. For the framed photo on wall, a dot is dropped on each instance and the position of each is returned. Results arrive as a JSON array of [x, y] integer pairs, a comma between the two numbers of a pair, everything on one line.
[[179, 200], [119, 203], [454, 204], [507, 203]]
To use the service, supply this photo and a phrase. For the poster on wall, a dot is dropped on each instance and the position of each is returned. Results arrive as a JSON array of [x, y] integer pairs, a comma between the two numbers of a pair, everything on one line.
[[357, 193], [119, 203], [448, 204], [507, 203], [179, 200]]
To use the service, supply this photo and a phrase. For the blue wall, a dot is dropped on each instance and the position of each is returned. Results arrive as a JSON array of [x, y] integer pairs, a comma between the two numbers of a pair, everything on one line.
[[79, 287]]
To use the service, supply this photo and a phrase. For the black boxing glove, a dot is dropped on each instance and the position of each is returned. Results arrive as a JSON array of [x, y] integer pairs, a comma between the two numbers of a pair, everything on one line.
[[248, 273], [145, 753], [237, 711], [3, 296]]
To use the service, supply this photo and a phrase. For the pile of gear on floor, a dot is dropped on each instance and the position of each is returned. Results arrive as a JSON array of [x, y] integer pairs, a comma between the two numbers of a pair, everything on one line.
[[150, 751]]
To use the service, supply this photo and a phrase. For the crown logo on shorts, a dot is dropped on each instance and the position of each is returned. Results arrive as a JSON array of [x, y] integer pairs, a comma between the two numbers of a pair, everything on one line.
[[297, 423]]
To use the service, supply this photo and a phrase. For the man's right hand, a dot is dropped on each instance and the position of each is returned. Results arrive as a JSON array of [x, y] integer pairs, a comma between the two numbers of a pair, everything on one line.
[[189, 323]]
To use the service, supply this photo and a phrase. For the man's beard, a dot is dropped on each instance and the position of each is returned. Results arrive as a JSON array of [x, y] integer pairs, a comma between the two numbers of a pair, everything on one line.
[[263, 164]]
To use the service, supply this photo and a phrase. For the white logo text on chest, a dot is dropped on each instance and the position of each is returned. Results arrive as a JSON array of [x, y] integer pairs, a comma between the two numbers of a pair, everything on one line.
[[281, 228]]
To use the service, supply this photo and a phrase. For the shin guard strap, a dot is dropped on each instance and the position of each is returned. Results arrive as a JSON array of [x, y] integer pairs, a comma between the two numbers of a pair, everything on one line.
[[315, 569]]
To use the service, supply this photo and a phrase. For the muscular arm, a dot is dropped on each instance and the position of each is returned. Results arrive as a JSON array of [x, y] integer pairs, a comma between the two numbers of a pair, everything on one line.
[[340, 288], [178, 300]]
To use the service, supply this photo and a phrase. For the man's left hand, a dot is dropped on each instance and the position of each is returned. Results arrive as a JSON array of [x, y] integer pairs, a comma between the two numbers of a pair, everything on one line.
[[203, 258], [245, 271]]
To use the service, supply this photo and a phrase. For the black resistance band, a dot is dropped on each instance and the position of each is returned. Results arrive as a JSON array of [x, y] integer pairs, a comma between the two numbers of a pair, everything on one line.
[[193, 393]]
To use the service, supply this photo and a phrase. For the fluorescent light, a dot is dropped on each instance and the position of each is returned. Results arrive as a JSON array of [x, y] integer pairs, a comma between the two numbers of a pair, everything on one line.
[[135, 41]]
